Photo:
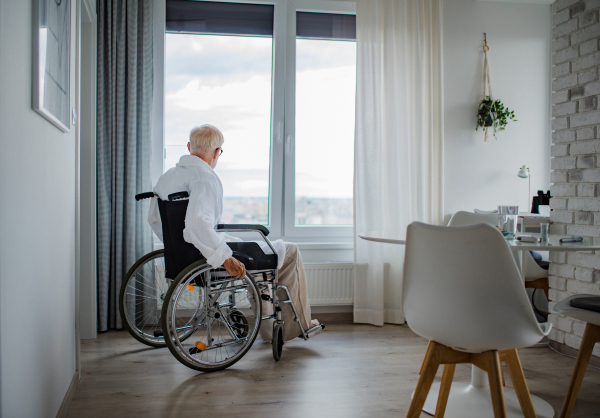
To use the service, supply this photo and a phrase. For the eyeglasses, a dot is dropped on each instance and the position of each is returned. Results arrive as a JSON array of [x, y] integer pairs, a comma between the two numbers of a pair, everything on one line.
[[221, 151]]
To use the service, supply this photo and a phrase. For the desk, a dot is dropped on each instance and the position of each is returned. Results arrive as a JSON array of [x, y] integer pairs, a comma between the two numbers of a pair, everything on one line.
[[552, 244], [472, 399]]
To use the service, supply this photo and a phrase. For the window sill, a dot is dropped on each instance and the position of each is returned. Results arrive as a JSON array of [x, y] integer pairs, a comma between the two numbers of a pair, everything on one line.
[[325, 245]]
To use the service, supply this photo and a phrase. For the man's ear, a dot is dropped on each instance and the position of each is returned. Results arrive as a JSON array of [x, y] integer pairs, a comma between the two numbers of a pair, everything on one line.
[[188, 145]]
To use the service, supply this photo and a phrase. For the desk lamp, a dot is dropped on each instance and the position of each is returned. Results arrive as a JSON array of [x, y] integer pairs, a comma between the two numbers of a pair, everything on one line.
[[524, 174]]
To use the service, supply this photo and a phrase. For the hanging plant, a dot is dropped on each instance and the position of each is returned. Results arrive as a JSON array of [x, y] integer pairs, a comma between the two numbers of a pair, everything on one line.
[[493, 113]]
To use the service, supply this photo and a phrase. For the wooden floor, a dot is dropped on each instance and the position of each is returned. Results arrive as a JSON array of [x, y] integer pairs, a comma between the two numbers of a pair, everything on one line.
[[347, 371]]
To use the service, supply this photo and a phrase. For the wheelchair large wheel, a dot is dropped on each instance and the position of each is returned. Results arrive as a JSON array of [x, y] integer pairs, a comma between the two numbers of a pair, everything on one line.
[[140, 300], [222, 312]]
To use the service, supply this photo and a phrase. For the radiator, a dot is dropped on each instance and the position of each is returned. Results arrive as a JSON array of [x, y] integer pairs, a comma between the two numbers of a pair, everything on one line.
[[330, 283]]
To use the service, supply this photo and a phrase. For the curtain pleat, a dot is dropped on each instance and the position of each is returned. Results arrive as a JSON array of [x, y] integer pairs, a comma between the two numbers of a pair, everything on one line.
[[125, 87], [398, 144]]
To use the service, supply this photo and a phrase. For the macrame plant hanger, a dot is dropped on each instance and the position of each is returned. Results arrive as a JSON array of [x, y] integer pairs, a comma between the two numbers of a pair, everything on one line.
[[487, 82]]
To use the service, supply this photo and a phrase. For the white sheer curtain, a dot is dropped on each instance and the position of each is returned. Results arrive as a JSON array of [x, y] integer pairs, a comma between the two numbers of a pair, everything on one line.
[[399, 143]]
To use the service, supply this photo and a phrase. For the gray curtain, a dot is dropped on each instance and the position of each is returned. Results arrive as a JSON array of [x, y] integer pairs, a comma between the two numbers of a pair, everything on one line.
[[125, 76]]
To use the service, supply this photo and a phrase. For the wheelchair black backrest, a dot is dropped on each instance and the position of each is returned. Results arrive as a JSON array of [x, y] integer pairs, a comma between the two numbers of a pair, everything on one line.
[[178, 253]]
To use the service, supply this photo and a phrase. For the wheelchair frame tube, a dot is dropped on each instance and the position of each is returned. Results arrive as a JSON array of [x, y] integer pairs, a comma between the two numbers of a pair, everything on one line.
[[294, 311]]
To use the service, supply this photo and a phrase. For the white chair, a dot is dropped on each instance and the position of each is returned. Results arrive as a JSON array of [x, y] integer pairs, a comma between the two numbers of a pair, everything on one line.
[[462, 218], [534, 276], [591, 336], [469, 302]]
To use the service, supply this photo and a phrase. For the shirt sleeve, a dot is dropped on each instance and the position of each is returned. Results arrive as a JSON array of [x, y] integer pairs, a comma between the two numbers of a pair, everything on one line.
[[154, 218], [200, 220], [230, 238]]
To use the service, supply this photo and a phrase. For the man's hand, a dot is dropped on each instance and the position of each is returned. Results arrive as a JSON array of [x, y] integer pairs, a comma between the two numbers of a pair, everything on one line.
[[235, 268]]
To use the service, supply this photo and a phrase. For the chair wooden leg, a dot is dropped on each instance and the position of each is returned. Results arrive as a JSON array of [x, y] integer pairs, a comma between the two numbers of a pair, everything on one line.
[[426, 351], [546, 288], [542, 283], [447, 376], [590, 337], [429, 368], [518, 378], [490, 362]]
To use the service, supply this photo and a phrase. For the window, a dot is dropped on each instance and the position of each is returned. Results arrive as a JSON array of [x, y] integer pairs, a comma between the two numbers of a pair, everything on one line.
[[218, 71], [279, 81], [325, 97]]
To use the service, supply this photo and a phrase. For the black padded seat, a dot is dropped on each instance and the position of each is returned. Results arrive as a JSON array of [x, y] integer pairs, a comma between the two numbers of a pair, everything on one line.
[[587, 303], [179, 254]]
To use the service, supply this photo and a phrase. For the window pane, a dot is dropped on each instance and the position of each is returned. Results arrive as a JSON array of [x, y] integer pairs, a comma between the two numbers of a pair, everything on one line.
[[224, 81], [325, 96]]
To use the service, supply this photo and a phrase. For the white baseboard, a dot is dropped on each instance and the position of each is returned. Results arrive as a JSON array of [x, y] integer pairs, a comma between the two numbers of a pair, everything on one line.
[[318, 309], [64, 407]]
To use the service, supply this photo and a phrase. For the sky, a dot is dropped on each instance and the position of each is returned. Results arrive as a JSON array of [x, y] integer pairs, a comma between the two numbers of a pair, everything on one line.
[[226, 81]]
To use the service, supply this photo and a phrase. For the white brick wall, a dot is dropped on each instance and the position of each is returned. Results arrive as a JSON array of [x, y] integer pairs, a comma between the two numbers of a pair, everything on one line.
[[575, 152]]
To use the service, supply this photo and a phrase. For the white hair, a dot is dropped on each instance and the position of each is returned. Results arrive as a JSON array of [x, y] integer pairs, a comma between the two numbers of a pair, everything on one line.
[[205, 138]]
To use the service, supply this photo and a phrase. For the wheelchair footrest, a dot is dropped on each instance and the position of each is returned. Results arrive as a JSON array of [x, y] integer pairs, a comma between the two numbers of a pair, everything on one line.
[[314, 331]]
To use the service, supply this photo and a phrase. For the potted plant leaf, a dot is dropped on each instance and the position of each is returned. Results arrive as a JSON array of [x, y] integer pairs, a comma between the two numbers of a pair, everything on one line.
[[493, 113]]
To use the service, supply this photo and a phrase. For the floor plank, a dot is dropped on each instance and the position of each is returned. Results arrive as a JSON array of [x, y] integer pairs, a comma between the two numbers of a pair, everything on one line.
[[347, 371]]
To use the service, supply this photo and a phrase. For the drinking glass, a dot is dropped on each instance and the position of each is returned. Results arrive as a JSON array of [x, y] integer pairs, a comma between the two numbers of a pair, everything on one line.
[[508, 218], [544, 231]]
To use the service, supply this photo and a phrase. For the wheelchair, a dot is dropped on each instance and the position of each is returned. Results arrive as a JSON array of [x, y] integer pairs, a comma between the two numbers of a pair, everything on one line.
[[207, 318]]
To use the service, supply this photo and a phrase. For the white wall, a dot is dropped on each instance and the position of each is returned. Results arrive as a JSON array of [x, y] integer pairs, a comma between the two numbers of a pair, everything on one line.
[[483, 175], [37, 239]]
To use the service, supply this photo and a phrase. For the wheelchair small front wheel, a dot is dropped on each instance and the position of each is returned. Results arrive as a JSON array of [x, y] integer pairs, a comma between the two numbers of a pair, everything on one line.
[[277, 341], [222, 312], [141, 297]]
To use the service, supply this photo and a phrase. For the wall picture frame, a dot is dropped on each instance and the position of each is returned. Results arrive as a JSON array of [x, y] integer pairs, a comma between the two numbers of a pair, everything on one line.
[[51, 78]]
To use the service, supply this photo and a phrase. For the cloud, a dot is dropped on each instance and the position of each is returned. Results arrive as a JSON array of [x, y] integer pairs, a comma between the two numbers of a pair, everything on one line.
[[317, 54], [217, 56]]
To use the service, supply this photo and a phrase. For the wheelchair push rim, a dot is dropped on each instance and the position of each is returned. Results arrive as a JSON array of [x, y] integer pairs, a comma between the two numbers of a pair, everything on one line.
[[225, 323]]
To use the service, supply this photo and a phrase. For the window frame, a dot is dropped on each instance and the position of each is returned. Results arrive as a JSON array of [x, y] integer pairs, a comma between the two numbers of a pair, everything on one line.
[[290, 228], [282, 161]]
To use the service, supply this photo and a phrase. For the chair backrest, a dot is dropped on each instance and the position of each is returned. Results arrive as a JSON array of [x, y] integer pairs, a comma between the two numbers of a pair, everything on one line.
[[178, 253], [469, 218], [485, 211], [470, 295]]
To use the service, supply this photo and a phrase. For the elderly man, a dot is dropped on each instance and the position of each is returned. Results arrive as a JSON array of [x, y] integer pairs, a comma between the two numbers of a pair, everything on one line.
[[195, 174]]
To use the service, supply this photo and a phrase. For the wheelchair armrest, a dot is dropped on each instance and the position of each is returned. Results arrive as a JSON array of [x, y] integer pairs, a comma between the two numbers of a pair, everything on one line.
[[248, 227], [243, 227], [245, 259], [178, 196], [146, 195]]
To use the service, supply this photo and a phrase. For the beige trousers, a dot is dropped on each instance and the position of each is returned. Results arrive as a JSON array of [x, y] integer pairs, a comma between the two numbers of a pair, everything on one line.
[[291, 274]]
